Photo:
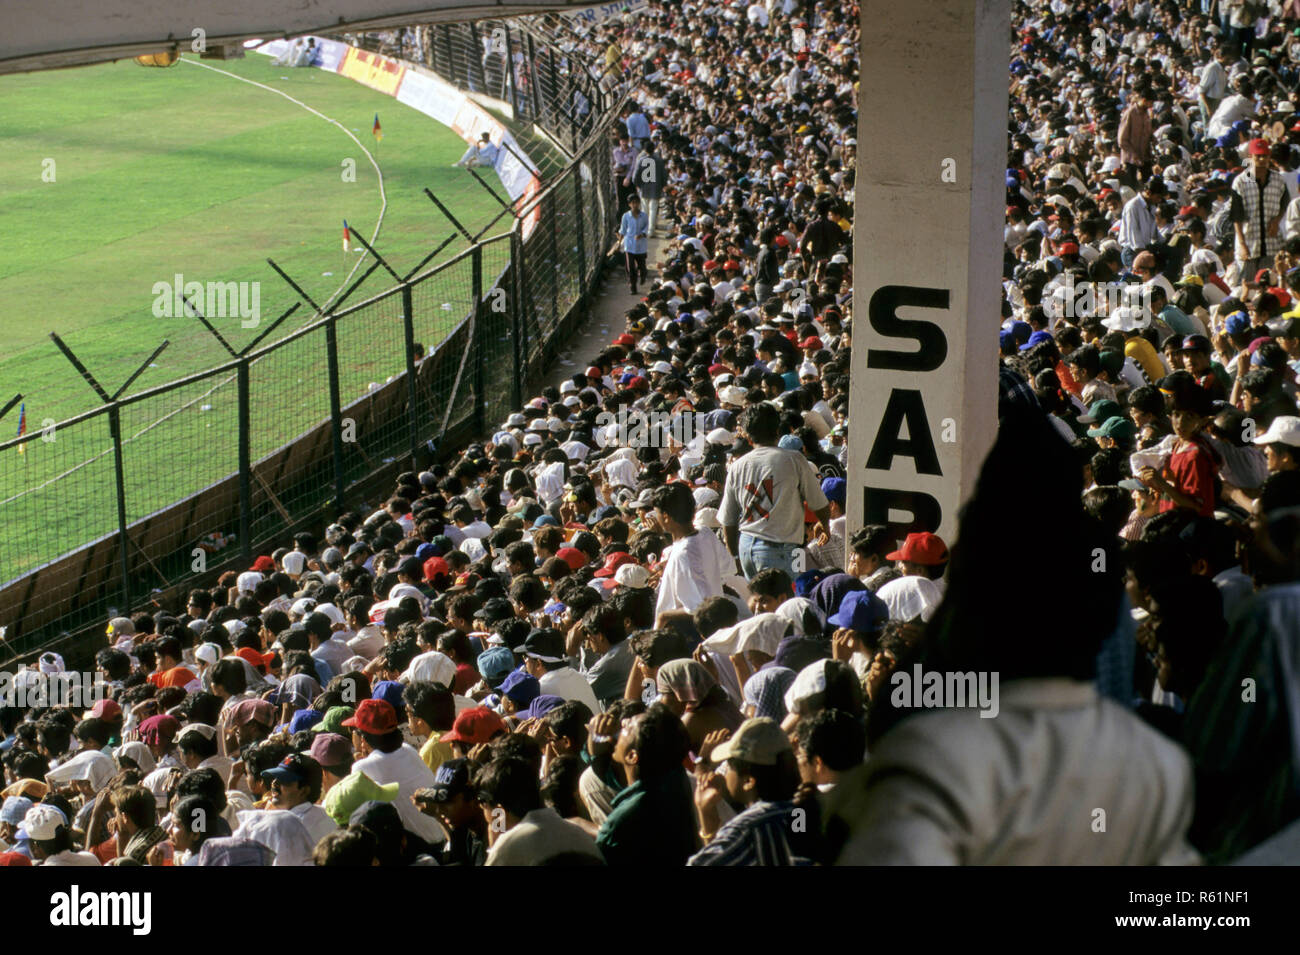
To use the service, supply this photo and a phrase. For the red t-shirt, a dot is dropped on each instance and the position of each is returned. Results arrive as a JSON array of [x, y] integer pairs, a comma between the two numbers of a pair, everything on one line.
[[1191, 471], [466, 676], [176, 676]]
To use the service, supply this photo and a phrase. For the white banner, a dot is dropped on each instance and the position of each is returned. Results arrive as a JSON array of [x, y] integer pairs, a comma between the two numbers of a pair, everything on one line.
[[429, 94]]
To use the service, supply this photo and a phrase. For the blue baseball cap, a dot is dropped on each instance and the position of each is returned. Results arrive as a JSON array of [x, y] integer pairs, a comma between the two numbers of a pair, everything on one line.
[[1036, 338], [540, 706], [1236, 323], [861, 611], [835, 489], [15, 809], [390, 692], [305, 720], [521, 687], [805, 582], [546, 520], [790, 442], [1006, 338], [495, 664]]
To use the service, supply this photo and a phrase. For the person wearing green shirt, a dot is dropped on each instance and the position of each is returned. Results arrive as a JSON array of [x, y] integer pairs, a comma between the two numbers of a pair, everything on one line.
[[653, 818]]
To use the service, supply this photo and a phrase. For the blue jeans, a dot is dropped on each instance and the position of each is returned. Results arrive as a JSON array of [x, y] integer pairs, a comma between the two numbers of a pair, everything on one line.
[[758, 554]]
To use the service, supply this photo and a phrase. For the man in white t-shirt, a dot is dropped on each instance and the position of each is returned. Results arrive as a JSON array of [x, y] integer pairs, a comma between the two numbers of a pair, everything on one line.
[[696, 562], [387, 759]]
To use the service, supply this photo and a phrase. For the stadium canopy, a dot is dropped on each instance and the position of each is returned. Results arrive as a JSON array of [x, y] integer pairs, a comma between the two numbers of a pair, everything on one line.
[[55, 33]]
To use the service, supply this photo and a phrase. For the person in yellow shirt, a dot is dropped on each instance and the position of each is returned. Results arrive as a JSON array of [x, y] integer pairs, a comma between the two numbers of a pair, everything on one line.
[[1132, 322], [430, 712]]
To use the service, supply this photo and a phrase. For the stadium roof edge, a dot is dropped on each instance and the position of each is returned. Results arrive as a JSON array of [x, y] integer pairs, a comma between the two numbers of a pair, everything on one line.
[[61, 33]]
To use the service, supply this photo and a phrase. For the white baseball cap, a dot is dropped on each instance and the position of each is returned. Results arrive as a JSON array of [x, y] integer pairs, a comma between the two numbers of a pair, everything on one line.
[[1285, 429]]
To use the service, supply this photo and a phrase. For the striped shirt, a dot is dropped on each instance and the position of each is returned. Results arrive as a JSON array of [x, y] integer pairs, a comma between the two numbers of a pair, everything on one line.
[[1254, 206], [758, 836]]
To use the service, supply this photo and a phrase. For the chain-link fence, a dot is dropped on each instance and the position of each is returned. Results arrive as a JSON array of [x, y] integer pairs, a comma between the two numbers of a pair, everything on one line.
[[127, 506]]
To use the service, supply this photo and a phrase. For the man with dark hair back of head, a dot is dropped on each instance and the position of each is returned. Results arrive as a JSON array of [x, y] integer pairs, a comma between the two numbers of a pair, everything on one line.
[[521, 830]]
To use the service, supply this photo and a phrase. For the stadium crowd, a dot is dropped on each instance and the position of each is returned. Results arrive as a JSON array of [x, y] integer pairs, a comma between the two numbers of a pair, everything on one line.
[[630, 626]]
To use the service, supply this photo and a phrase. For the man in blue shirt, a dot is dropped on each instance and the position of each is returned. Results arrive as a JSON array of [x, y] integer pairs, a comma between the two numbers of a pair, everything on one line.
[[633, 229], [638, 127]]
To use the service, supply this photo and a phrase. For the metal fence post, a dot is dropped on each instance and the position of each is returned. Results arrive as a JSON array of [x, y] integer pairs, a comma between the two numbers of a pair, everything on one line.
[[245, 462], [480, 402], [581, 236], [336, 407], [534, 77], [445, 31], [119, 468], [408, 328], [509, 82], [518, 327]]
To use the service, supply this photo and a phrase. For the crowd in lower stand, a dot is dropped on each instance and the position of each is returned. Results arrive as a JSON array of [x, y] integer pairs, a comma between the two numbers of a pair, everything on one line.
[[631, 626]]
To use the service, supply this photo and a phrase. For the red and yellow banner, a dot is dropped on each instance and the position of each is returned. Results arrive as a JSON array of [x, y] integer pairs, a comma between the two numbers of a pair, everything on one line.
[[379, 72]]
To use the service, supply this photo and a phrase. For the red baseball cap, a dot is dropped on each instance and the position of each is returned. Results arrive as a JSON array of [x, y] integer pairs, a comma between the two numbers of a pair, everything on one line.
[[376, 717], [1258, 147], [638, 382], [264, 565], [782, 241], [1282, 295], [731, 265], [613, 562], [812, 341], [105, 710], [473, 726], [710, 265], [1069, 248], [571, 556], [435, 566], [593, 371], [924, 548]]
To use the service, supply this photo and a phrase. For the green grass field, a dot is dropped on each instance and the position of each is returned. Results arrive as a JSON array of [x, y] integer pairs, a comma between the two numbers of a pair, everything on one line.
[[184, 170]]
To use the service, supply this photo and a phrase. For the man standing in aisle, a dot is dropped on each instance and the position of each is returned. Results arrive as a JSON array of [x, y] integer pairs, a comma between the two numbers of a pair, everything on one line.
[[762, 510], [647, 176], [1259, 200], [633, 229]]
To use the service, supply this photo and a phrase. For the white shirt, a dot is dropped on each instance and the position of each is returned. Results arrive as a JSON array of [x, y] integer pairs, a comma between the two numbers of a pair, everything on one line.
[[404, 766], [693, 570], [949, 787], [68, 857], [318, 822], [568, 683], [537, 837]]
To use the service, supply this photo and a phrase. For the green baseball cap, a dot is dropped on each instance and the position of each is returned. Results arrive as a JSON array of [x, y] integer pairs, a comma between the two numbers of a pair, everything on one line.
[[333, 721], [1122, 429], [351, 792], [1101, 410]]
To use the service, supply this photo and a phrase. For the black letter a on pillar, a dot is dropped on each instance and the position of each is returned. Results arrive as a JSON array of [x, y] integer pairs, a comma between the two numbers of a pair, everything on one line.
[[904, 404]]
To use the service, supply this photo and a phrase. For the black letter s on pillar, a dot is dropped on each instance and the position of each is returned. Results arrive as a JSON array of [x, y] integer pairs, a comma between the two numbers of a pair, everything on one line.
[[882, 312]]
